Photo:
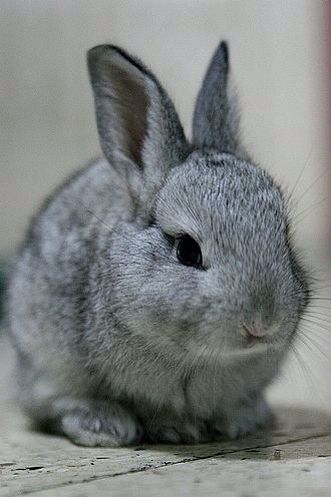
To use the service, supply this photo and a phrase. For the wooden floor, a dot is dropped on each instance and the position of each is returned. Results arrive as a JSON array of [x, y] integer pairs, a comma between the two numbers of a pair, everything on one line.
[[292, 460]]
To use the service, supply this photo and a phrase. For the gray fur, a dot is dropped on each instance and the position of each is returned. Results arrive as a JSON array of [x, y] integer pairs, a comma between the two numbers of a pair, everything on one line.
[[216, 116], [116, 340], [140, 132]]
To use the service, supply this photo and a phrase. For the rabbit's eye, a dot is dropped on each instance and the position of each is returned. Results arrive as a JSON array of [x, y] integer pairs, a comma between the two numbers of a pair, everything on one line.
[[188, 251]]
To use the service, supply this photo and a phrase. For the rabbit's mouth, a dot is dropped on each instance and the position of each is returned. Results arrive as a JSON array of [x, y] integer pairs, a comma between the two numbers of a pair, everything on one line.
[[252, 341], [254, 335], [255, 341], [242, 347]]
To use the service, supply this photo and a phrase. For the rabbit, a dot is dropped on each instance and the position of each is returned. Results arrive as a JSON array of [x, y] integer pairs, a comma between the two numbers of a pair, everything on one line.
[[158, 291]]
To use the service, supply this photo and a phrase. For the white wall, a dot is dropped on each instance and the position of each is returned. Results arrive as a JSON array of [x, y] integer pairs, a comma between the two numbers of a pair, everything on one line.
[[47, 121]]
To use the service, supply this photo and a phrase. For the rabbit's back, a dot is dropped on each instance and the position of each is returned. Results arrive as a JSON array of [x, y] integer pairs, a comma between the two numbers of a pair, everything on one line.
[[49, 288]]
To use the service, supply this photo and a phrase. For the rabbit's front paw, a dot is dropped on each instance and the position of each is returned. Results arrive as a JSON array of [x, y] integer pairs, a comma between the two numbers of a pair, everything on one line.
[[245, 418], [101, 425], [178, 432]]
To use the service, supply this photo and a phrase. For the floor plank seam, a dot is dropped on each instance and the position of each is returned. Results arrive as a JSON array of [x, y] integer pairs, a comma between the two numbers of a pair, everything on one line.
[[148, 467]]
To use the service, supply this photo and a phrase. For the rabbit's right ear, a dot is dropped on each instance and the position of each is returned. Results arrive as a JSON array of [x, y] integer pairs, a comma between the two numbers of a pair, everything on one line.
[[216, 118], [139, 130]]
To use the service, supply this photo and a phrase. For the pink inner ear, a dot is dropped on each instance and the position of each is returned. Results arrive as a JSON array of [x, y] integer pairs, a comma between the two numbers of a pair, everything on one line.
[[137, 123], [131, 103]]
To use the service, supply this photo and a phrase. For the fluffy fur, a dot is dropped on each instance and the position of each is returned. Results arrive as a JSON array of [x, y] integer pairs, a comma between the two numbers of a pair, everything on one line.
[[116, 340]]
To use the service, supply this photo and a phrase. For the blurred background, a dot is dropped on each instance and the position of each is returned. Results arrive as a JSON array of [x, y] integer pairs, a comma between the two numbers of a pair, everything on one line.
[[280, 59]]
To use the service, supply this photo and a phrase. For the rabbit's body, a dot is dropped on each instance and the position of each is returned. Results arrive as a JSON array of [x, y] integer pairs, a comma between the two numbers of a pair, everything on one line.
[[116, 339]]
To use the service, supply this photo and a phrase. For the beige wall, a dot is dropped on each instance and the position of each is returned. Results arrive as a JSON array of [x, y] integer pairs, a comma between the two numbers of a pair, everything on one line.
[[47, 122]]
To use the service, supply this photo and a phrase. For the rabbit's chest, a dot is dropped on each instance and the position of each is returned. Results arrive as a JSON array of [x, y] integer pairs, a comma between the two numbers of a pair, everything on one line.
[[214, 390], [203, 395], [208, 391]]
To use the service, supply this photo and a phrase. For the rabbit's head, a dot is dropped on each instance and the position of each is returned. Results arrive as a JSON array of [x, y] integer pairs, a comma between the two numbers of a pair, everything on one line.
[[204, 259]]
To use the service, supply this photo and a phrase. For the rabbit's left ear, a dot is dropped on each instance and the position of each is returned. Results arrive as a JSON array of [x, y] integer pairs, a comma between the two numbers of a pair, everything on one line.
[[216, 120], [139, 130]]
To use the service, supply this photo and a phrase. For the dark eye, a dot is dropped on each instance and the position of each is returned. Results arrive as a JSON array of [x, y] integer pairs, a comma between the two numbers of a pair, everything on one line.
[[188, 251]]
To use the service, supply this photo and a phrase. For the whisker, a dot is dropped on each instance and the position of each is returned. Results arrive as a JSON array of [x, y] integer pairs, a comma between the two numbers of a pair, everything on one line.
[[93, 214], [315, 323], [301, 173], [320, 307], [320, 299], [323, 173], [320, 332], [297, 219], [320, 317], [307, 374], [316, 346]]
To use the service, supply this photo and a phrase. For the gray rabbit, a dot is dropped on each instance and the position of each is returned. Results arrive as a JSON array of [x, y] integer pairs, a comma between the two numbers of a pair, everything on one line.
[[157, 291]]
